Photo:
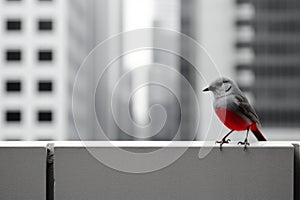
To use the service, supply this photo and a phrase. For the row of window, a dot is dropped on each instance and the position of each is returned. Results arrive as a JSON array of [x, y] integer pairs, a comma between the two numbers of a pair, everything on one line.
[[15, 116], [22, 0], [16, 25], [15, 55], [272, 4], [288, 26], [287, 48], [16, 86]]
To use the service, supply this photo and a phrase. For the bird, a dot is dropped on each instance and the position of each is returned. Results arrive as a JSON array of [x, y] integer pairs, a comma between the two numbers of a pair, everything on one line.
[[234, 110]]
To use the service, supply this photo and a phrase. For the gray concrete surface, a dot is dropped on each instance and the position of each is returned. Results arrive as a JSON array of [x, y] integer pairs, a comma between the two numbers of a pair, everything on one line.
[[22, 171], [263, 172]]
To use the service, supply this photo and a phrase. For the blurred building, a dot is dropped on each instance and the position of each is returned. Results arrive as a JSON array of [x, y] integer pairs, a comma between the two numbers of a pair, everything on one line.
[[215, 32], [166, 15], [271, 71], [42, 44], [188, 26], [177, 16], [127, 16]]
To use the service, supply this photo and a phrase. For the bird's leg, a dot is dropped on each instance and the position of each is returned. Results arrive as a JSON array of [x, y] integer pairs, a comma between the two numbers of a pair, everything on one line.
[[221, 142], [245, 143]]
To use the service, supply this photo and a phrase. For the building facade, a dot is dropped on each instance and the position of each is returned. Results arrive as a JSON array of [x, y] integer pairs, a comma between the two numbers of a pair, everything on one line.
[[271, 39], [42, 44]]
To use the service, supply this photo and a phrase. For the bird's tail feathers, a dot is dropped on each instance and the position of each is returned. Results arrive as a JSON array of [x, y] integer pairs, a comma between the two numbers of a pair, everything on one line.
[[258, 134]]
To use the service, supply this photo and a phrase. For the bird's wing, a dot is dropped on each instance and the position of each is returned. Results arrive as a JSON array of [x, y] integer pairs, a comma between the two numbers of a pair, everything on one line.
[[246, 108]]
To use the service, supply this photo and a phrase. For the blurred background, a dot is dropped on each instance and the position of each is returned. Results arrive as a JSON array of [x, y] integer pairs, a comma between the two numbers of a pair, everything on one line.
[[44, 42]]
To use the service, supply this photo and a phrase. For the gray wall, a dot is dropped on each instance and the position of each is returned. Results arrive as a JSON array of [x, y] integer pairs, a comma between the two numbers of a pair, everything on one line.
[[23, 170], [265, 171], [261, 172]]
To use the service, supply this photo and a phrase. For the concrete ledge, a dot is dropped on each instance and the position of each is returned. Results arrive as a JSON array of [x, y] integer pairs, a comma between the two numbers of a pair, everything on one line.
[[265, 171], [269, 144], [23, 170]]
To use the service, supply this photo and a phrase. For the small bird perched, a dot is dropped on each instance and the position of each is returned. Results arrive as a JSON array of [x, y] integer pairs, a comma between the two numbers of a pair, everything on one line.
[[234, 110]]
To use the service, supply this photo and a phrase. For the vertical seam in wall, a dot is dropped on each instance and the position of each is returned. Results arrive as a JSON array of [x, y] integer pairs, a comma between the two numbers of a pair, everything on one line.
[[296, 172], [50, 172]]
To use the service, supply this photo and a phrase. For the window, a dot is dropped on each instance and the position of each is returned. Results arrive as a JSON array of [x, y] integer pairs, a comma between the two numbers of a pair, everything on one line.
[[44, 139], [12, 139], [45, 55], [243, 45], [13, 55], [243, 22], [44, 116], [13, 25], [13, 116], [45, 86], [45, 25], [13, 86]]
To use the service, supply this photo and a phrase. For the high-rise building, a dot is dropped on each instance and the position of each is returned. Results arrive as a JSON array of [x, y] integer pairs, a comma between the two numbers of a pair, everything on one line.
[[214, 30], [187, 27], [273, 42], [166, 16], [42, 44]]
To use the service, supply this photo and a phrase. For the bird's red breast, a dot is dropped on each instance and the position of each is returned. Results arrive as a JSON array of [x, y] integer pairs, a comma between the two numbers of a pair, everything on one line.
[[232, 120]]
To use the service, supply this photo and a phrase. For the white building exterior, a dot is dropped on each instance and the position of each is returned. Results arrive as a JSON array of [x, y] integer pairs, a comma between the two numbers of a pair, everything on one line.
[[42, 44]]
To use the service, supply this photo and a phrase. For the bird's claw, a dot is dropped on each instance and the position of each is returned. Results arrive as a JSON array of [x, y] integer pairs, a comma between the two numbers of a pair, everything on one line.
[[245, 143], [221, 142]]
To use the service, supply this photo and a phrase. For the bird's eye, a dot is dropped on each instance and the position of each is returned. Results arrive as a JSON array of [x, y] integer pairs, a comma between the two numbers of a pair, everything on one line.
[[225, 81], [228, 88]]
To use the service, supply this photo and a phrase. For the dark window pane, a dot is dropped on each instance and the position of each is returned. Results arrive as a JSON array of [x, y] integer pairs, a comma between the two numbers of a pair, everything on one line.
[[13, 25], [13, 55], [13, 86], [241, 22], [242, 1], [45, 55], [243, 67], [45, 116], [243, 45], [13, 139], [13, 116], [45, 25], [45, 86], [45, 139]]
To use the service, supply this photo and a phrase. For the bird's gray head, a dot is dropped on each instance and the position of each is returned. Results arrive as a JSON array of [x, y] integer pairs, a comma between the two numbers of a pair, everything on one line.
[[223, 87]]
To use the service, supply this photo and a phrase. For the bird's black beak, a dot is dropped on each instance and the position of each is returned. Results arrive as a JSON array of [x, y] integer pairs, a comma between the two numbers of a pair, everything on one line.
[[205, 90]]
